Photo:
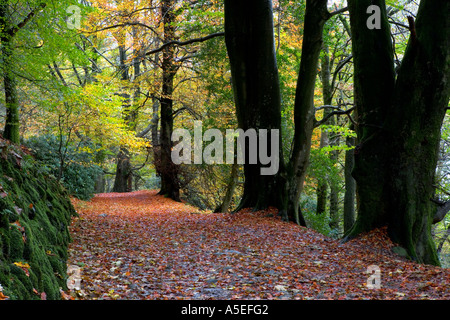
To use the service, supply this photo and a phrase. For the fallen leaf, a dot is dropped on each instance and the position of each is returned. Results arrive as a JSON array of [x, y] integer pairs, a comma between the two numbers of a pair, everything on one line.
[[146, 246]]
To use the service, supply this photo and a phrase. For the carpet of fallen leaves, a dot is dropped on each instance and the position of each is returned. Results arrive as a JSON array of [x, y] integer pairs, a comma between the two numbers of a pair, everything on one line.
[[143, 246]]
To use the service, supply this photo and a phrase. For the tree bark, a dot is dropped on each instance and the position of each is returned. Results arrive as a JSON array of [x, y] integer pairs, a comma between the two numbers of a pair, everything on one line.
[[123, 181], [316, 16], [12, 125], [7, 32], [350, 188], [420, 102], [321, 193], [11, 131], [322, 185], [332, 140], [167, 169], [374, 78], [395, 179], [123, 178], [251, 50]]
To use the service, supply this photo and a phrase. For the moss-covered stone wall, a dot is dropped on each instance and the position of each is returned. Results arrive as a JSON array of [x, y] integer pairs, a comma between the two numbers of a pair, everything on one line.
[[35, 213]]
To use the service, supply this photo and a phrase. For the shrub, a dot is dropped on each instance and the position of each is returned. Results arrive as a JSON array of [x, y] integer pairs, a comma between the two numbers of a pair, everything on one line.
[[73, 165]]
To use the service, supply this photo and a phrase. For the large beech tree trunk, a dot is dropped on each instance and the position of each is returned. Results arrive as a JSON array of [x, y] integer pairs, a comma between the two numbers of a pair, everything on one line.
[[251, 50], [374, 78], [399, 124], [167, 169], [420, 102], [250, 45]]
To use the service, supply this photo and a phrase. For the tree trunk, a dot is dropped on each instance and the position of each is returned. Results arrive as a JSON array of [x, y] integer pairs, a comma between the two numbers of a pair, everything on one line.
[[350, 188], [226, 202], [167, 169], [316, 16], [7, 32], [11, 131], [321, 194], [331, 140], [395, 179], [251, 50], [100, 184], [322, 187], [374, 78], [334, 187], [420, 102], [124, 179]]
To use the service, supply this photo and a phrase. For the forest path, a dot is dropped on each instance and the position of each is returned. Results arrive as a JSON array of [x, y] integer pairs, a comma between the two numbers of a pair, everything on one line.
[[141, 245]]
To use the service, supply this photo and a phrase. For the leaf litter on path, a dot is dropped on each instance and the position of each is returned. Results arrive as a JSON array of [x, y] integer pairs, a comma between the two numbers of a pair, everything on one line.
[[141, 245]]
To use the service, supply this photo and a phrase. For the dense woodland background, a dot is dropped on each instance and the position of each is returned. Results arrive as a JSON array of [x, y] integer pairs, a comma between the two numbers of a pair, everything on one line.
[[97, 102]]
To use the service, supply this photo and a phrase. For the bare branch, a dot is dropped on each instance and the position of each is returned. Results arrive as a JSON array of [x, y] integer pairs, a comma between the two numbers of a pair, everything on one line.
[[184, 43], [339, 11], [22, 24], [338, 112], [96, 51], [145, 131], [126, 24], [339, 67]]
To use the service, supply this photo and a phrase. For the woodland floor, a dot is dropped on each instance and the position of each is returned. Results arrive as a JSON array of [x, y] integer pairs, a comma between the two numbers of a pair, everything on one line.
[[143, 246]]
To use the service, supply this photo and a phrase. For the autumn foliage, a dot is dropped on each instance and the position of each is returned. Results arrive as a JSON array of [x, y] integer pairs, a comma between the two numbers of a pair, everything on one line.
[[143, 246]]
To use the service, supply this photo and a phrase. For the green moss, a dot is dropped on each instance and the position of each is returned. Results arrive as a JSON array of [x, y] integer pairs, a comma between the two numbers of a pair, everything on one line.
[[21, 282], [41, 236], [51, 287], [5, 236], [16, 244], [4, 272]]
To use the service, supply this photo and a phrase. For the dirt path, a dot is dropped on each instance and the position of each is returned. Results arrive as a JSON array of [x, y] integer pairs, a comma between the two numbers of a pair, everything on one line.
[[143, 246]]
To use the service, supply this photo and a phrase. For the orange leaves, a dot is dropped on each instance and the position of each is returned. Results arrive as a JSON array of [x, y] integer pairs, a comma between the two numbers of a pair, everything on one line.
[[2, 296], [144, 246]]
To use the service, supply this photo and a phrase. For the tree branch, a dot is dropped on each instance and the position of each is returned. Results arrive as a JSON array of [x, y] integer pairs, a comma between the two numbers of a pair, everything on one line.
[[441, 212], [339, 11], [145, 131], [126, 24], [22, 24], [339, 67], [338, 112], [96, 51], [183, 43]]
